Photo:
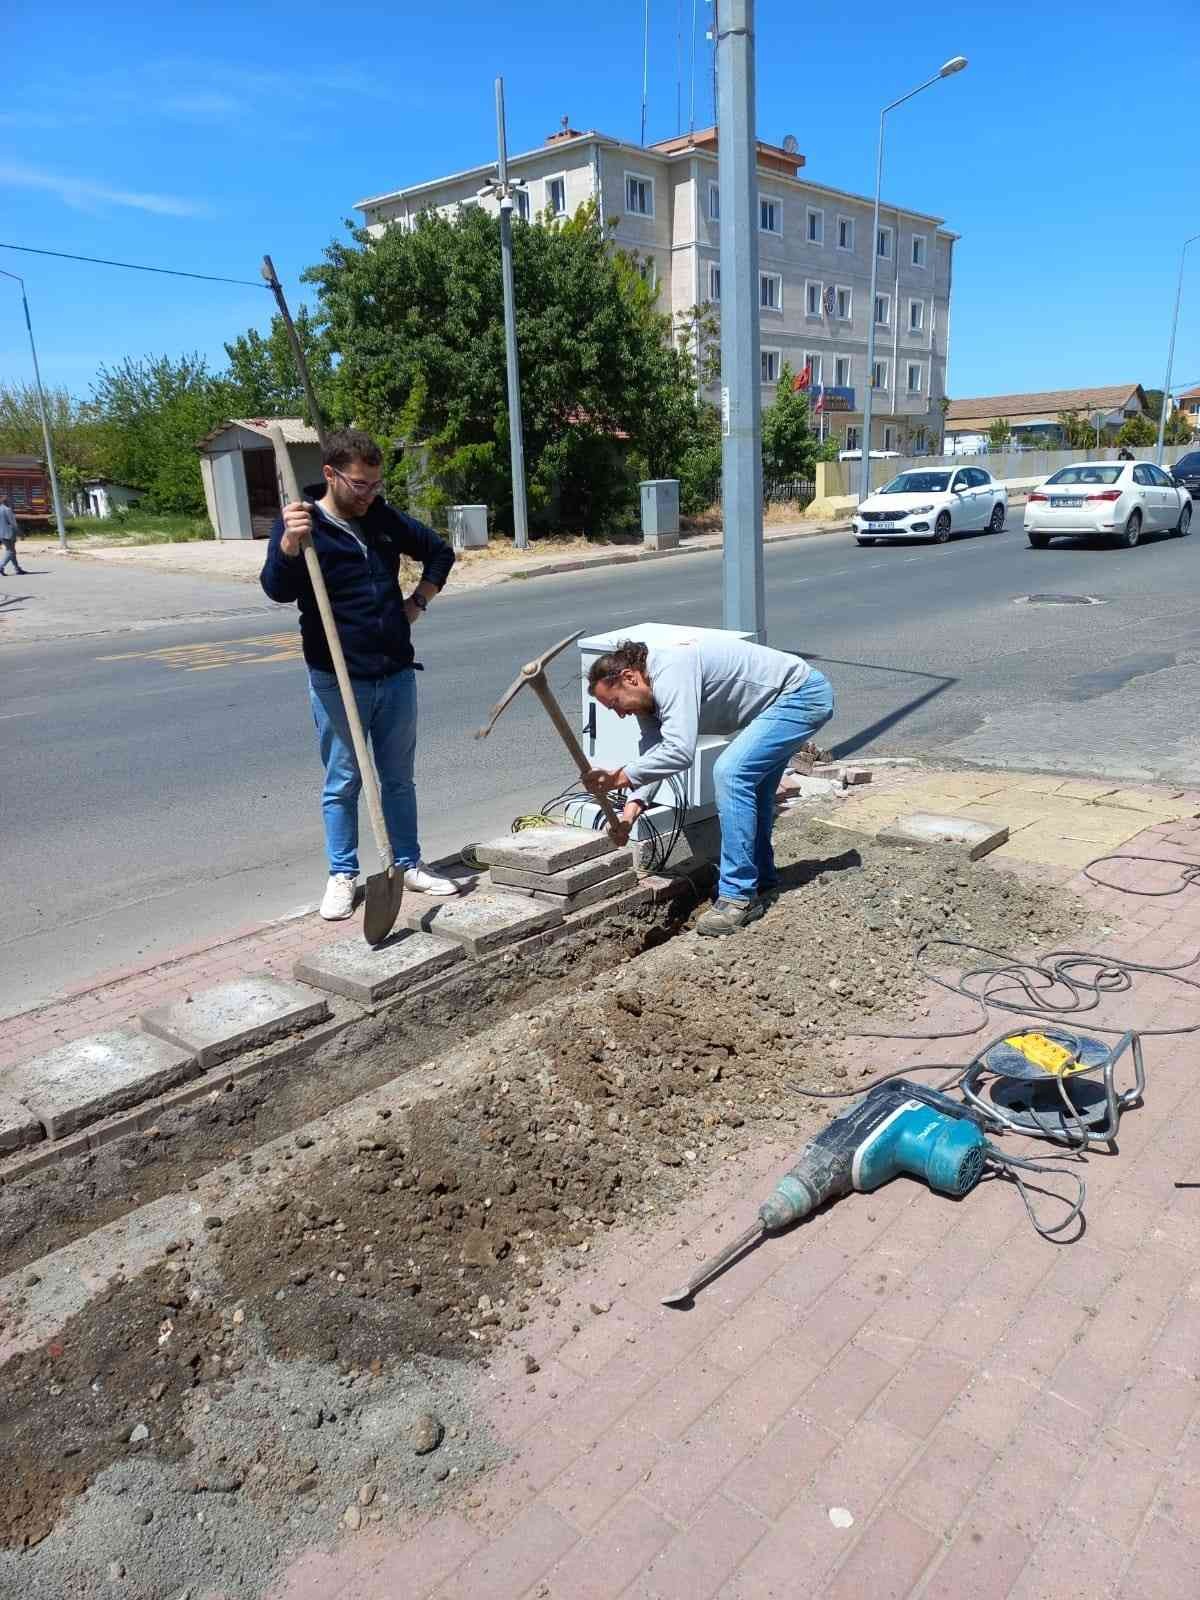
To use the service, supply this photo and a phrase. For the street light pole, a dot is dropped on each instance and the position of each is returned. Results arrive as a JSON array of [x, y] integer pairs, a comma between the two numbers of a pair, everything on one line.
[[516, 434], [37, 376], [955, 64], [744, 603], [1166, 398]]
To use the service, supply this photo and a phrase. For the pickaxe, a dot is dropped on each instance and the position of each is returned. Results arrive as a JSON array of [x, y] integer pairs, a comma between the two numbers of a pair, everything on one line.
[[533, 673]]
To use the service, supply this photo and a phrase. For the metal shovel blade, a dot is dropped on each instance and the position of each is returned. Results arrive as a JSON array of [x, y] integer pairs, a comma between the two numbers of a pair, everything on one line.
[[383, 894]]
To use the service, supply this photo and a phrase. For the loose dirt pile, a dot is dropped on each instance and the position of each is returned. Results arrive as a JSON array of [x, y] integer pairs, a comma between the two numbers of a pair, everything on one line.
[[420, 1246]]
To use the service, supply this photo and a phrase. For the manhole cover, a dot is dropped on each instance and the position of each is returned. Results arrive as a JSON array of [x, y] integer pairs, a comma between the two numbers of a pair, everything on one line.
[[1059, 600]]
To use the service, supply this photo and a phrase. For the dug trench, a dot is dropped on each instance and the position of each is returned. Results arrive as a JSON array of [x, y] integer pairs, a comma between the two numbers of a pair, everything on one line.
[[306, 1360]]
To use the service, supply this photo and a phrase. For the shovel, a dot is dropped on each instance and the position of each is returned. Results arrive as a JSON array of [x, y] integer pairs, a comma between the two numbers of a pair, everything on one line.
[[385, 889]]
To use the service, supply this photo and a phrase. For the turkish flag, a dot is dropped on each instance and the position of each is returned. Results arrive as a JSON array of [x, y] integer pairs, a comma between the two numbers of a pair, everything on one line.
[[803, 379]]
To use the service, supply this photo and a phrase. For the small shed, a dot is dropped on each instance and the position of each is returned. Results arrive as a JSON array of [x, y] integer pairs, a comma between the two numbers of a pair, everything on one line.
[[101, 497], [237, 464], [26, 486]]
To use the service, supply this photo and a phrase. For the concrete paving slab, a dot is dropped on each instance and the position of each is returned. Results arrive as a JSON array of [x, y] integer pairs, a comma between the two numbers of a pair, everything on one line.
[[90, 1078], [570, 880], [590, 896], [217, 1023], [544, 849], [481, 920], [354, 969], [975, 837], [1152, 807], [18, 1125]]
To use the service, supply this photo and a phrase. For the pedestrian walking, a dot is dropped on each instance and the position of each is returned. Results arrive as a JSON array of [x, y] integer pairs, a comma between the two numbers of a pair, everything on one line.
[[773, 702], [359, 540], [9, 532]]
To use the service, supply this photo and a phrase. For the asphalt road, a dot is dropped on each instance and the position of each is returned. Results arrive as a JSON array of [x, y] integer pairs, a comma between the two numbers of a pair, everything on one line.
[[159, 779]]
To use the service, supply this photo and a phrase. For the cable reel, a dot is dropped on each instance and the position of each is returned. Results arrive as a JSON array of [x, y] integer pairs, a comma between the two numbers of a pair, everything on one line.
[[1051, 1084]]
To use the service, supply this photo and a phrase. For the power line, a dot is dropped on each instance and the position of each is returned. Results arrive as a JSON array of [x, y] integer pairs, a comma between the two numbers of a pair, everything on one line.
[[133, 266]]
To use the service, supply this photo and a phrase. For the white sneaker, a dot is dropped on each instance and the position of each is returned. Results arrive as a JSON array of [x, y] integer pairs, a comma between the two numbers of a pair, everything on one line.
[[421, 881], [339, 897]]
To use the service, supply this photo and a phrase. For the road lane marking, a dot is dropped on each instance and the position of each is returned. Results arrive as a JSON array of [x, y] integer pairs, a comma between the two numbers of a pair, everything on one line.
[[257, 650]]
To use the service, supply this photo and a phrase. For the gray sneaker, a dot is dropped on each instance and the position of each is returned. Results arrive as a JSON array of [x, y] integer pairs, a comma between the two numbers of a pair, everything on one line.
[[727, 916]]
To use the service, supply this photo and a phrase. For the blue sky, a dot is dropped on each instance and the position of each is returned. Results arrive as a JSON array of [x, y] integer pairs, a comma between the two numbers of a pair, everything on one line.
[[200, 137]]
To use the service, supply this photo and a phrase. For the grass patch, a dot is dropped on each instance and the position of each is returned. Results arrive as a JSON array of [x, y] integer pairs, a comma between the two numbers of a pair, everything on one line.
[[140, 527]]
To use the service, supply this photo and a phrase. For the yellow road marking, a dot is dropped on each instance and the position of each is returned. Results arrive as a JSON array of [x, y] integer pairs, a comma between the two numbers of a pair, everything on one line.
[[257, 650]]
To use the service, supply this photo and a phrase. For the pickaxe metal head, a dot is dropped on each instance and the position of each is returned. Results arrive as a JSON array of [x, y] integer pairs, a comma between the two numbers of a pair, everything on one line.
[[531, 670]]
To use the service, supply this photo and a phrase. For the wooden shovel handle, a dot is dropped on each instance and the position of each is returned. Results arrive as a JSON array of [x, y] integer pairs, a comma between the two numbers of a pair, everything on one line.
[[546, 695]]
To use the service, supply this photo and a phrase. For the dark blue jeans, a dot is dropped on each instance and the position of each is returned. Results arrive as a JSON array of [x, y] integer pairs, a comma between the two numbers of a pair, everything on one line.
[[388, 709], [747, 775]]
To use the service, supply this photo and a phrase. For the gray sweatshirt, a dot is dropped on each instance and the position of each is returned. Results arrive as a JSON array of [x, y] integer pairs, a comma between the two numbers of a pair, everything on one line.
[[711, 686], [8, 525]]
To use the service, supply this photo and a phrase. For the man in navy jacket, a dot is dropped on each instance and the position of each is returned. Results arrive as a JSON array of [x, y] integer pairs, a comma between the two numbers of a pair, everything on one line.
[[359, 540]]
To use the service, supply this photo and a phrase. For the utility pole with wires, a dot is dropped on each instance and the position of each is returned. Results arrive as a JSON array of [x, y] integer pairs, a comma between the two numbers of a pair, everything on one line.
[[41, 394], [743, 605], [516, 434]]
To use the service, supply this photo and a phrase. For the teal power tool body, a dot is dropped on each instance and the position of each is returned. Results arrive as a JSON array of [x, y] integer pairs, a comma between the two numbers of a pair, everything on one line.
[[896, 1127]]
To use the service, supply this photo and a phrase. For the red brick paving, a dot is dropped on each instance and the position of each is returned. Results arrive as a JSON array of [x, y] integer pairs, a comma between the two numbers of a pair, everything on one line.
[[1000, 1416]]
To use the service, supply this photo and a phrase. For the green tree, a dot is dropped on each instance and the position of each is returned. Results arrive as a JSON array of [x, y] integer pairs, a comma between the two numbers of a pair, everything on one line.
[[263, 376], [606, 394], [999, 434], [1179, 428], [155, 411], [790, 446], [76, 434], [1137, 431]]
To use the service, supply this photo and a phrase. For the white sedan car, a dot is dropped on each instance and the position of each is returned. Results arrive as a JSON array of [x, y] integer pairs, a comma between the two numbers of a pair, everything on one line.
[[1118, 500], [932, 505]]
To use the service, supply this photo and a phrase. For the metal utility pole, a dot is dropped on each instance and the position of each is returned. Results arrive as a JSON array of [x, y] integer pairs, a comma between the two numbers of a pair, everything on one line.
[[1166, 398], [37, 378], [743, 606], [515, 432], [955, 64]]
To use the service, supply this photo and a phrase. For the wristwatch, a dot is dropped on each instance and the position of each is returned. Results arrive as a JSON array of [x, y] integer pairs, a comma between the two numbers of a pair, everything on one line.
[[420, 601]]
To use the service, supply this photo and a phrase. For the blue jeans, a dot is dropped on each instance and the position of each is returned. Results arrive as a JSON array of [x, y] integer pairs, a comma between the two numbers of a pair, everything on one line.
[[388, 709], [747, 775]]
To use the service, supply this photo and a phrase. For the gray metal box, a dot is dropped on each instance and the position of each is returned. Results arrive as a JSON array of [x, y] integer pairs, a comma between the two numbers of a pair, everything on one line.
[[468, 527], [660, 510]]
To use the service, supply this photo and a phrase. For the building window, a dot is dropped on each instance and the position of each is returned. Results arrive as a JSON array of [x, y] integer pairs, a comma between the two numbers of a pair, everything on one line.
[[845, 233], [812, 299], [841, 372], [916, 377], [916, 316], [883, 243], [770, 365], [639, 195], [521, 196], [883, 310], [889, 437], [919, 249], [815, 226], [879, 375], [853, 437], [714, 202], [770, 215], [844, 303], [770, 291], [556, 196], [813, 362], [714, 281]]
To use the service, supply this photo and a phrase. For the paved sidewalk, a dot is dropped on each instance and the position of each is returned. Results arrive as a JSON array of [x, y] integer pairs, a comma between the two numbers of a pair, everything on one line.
[[241, 559], [905, 1397]]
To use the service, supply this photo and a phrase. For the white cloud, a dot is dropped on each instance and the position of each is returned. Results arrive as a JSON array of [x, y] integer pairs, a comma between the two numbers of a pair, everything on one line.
[[83, 194]]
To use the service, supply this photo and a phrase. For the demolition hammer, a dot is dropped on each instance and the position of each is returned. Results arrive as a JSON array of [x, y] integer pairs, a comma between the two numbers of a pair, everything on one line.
[[897, 1126]]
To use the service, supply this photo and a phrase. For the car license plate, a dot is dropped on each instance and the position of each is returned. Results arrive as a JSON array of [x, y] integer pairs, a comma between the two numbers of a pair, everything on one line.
[[1065, 502]]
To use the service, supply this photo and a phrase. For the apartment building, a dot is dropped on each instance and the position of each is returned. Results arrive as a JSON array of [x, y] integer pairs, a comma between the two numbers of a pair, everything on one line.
[[814, 242]]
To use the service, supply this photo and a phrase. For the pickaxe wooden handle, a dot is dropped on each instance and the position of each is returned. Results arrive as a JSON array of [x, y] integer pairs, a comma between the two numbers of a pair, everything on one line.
[[533, 674]]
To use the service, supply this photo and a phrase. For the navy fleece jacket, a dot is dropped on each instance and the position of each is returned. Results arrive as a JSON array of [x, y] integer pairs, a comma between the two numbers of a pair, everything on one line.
[[363, 584]]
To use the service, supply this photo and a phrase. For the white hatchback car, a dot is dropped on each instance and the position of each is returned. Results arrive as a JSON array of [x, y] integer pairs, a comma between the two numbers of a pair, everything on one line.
[[1118, 500], [933, 504]]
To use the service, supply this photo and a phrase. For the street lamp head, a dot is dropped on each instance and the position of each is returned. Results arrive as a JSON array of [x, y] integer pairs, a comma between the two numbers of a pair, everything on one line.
[[955, 64]]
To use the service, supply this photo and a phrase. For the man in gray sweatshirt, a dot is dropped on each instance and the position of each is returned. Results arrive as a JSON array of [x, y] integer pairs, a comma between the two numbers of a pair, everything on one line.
[[773, 702]]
